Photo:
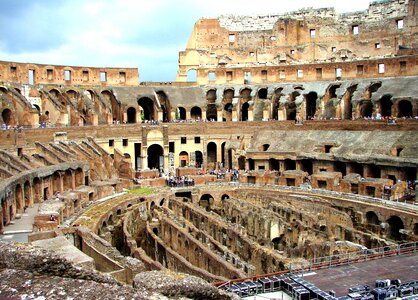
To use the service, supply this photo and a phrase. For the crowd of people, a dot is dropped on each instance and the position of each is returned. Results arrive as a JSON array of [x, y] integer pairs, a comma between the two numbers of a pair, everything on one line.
[[179, 181]]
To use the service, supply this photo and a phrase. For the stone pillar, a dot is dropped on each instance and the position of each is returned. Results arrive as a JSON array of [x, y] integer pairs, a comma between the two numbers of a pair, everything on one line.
[[188, 115], [219, 115], [299, 165]]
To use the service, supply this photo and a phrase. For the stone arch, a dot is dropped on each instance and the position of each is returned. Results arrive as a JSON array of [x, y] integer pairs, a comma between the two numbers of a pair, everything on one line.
[[289, 164], [181, 113], [110, 219], [147, 106], [262, 93], [404, 109], [183, 159], [211, 150], [37, 190], [276, 103], [365, 108], [131, 115], [192, 75], [19, 197], [348, 105], [241, 162], [114, 104], [206, 200], [56, 182], [79, 177], [211, 112], [416, 228], [7, 117], [211, 96], [244, 111], [162, 201], [165, 105], [28, 194], [68, 180], [196, 113], [386, 106], [311, 99], [155, 157], [291, 107], [395, 224], [225, 196], [199, 158], [279, 243], [372, 218]]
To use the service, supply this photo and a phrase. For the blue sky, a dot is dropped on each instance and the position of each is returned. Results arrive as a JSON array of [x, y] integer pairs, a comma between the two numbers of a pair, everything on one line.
[[122, 33]]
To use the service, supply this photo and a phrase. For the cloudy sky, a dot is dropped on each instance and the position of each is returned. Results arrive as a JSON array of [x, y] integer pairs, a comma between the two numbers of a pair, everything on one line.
[[122, 33]]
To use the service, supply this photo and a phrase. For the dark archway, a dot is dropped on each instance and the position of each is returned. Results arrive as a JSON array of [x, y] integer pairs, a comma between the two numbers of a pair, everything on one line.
[[7, 116], [291, 110], [386, 106], [365, 109], [181, 113], [289, 164], [244, 111], [148, 108], [241, 163], [196, 113], [211, 112], [131, 114], [372, 218], [212, 155], [395, 224], [211, 96], [404, 109], [262, 93], [199, 159], [274, 164], [155, 157], [311, 105]]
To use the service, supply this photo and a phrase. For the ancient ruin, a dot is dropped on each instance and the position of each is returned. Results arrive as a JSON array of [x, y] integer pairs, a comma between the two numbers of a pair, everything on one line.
[[295, 139]]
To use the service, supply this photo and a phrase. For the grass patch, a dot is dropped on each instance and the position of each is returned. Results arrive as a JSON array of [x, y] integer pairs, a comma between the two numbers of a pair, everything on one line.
[[144, 191]]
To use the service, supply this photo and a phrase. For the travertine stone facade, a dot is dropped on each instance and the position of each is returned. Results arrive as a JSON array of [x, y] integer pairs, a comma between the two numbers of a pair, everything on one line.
[[309, 44]]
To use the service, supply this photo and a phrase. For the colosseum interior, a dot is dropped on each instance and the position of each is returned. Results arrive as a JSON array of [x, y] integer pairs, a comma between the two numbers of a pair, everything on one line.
[[286, 138]]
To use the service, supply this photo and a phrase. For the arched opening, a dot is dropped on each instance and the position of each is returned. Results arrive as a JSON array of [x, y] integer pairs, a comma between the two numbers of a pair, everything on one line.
[[262, 93], [37, 192], [199, 159], [110, 220], [115, 104], [227, 115], [183, 159], [274, 164], [206, 200], [395, 224], [223, 154], [279, 243], [56, 181], [224, 197], [211, 112], [68, 180], [211, 96], [416, 228], [290, 110], [19, 197], [212, 155], [365, 109], [241, 162], [191, 75], [79, 177], [244, 111], [28, 194], [147, 108], [348, 105], [289, 164], [196, 113], [162, 202], [155, 157], [165, 105], [311, 105], [7, 116], [131, 114], [229, 159], [404, 109], [386, 106], [181, 113], [372, 218]]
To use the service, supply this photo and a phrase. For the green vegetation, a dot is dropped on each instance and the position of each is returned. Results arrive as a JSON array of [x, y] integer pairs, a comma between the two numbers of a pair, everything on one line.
[[145, 191]]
